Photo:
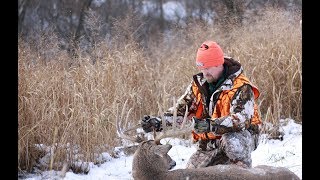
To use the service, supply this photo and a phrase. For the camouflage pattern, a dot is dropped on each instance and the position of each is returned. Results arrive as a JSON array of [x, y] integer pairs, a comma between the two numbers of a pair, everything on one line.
[[237, 142], [241, 109]]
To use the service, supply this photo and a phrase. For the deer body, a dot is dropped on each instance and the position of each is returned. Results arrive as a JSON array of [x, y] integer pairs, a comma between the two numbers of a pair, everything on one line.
[[150, 162]]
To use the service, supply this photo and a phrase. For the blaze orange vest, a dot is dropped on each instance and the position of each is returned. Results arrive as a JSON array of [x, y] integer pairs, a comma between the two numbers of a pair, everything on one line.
[[222, 106]]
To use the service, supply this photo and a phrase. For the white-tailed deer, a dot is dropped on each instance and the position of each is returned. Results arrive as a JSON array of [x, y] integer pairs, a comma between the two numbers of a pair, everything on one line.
[[151, 161]]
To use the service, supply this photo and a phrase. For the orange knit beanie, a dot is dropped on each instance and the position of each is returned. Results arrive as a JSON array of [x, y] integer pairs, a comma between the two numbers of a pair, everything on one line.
[[209, 54]]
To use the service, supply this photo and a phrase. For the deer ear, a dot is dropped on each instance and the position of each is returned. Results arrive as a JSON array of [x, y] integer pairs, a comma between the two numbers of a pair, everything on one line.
[[162, 150]]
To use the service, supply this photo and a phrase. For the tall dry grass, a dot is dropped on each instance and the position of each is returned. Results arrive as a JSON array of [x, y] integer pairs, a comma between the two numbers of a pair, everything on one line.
[[70, 105], [271, 52]]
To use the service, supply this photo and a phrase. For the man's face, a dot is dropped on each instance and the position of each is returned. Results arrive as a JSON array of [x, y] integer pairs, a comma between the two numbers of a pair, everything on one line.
[[212, 74]]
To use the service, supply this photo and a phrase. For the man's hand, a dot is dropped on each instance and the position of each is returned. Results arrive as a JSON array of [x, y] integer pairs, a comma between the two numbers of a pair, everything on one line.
[[220, 129], [208, 125], [148, 123], [201, 125]]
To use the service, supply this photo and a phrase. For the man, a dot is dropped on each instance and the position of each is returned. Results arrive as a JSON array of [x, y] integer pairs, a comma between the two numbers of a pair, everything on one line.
[[221, 101]]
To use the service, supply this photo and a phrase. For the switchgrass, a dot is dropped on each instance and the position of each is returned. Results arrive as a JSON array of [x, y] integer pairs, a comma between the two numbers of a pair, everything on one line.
[[70, 104]]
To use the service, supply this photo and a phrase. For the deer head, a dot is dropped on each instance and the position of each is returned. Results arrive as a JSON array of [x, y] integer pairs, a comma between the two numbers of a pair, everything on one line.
[[161, 151]]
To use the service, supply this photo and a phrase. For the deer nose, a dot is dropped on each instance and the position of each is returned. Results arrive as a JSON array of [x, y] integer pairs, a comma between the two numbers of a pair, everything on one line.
[[172, 164]]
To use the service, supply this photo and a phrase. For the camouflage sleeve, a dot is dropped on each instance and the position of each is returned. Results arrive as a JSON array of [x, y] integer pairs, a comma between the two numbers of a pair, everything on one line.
[[241, 109], [186, 100]]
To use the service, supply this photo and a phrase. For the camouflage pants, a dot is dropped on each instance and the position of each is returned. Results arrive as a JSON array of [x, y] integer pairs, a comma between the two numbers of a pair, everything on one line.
[[233, 147]]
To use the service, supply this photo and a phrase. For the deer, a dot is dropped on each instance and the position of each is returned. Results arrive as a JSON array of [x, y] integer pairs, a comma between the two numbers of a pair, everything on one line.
[[151, 161]]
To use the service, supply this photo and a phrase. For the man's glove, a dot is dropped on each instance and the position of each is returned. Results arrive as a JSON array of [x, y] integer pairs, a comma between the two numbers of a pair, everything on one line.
[[206, 125], [220, 129], [203, 130], [148, 123], [201, 125]]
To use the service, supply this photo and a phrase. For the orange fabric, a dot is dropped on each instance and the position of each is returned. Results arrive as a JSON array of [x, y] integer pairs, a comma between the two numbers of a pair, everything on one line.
[[199, 110], [204, 136], [209, 54], [211, 135], [199, 101], [256, 117], [222, 107]]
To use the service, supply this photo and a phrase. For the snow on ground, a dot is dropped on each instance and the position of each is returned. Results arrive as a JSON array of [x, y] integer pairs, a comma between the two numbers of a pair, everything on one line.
[[285, 153]]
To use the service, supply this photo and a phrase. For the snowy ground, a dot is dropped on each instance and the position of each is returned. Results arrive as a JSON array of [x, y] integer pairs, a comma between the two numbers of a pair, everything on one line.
[[285, 153]]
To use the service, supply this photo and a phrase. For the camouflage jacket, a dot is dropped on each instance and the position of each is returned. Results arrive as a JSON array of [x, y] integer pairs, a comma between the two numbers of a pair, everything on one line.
[[232, 104]]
